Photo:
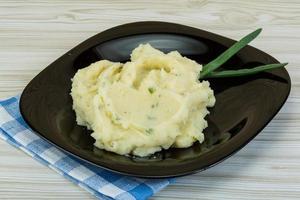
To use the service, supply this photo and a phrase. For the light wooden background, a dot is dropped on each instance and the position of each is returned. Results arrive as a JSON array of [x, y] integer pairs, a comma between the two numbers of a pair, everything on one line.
[[34, 33]]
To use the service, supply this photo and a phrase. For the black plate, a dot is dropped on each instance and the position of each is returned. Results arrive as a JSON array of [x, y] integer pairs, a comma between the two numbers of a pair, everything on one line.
[[244, 105]]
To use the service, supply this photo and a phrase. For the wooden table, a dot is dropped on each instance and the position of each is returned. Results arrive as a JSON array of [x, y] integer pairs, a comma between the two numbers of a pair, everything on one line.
[[34, 33]]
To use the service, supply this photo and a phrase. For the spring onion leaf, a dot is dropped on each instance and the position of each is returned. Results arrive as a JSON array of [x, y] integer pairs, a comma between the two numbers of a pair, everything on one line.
[[221, 59], [244, 72]]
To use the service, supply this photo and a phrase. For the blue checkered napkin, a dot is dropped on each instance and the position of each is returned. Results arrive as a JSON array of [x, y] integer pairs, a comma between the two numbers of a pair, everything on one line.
[[101, 183]]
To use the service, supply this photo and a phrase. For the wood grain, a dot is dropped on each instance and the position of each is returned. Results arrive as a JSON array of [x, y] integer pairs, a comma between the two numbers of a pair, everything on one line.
[[34, 33]]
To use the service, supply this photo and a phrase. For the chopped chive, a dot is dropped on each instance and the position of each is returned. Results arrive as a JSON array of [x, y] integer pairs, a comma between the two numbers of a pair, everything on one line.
[[244, 72], [225, 56], [150, 117], [154, 105], [151, 90], [149, 130]]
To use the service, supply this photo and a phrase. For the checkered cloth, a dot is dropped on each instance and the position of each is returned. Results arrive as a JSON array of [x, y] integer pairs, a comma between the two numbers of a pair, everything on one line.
[[101, 183]]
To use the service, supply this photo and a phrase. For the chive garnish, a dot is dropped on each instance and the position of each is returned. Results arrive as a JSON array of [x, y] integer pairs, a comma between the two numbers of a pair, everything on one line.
[[154, 105], [151, 90], [221, 59], [244, 72], [149, 131], [150, 117], [209, 69]]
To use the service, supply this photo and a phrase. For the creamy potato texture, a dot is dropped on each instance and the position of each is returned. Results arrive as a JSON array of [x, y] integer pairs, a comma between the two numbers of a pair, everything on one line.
[[153, 102]]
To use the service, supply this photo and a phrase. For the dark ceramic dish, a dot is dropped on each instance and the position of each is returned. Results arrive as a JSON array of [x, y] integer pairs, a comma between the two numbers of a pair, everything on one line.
[[244, 105]]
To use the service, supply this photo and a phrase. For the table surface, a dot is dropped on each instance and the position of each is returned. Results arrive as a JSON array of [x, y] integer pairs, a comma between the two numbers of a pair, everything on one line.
[[34, 33]]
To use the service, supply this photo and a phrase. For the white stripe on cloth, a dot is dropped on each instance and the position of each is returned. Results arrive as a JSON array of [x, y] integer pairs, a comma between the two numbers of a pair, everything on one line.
[[81, 173], [111, 190], [25, 137], [52, 155], [5, 116]]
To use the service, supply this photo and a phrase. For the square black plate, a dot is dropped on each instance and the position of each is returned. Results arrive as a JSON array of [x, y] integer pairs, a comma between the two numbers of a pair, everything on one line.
[[244, 105]]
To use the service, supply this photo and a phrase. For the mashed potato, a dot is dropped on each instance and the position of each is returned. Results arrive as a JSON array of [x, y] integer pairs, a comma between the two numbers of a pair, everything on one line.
[[153, 102]]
